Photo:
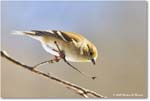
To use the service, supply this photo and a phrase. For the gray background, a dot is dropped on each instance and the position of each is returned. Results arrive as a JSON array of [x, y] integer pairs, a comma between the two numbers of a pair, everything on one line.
[[118, 29]]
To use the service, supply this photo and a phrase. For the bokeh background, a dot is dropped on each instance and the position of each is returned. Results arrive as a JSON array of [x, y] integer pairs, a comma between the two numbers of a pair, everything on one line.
[[118, 29]]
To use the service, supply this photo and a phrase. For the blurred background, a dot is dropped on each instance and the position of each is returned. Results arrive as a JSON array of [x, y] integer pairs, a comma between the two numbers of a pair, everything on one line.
[[118, 29]]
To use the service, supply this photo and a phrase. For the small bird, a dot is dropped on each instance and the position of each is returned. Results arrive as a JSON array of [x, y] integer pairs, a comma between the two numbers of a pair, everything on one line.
[[71, 47]]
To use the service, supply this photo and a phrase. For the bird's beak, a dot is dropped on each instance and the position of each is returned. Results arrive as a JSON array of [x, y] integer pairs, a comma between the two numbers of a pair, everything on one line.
[[93, 61]]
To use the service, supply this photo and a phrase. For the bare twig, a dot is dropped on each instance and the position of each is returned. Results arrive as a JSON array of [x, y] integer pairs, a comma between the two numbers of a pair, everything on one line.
[[79, 90]]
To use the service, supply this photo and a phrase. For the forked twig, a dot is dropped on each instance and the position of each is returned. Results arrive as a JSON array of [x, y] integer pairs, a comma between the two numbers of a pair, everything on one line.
[[48, 61], [79, 90]]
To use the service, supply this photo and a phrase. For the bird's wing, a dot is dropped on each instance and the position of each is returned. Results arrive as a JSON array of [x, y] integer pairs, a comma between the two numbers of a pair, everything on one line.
[[64, 36], [75, 38], [69, 37]]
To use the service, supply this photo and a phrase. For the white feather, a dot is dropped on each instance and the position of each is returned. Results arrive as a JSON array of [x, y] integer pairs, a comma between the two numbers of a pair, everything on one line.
[[49, 49], [18, 33], [24, 33]]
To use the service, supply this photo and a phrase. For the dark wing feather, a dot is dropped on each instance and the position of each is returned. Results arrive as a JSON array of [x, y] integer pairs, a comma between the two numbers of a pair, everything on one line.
[[54, 33]]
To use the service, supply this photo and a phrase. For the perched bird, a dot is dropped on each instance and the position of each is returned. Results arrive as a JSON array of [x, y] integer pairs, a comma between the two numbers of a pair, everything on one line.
[[70, 46]]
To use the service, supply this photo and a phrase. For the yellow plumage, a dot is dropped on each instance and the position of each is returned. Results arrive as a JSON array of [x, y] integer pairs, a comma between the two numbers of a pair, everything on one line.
[[76, 47]]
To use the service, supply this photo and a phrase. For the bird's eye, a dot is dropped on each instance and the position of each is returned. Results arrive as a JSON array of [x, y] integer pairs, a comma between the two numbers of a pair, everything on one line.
[[91, 53]]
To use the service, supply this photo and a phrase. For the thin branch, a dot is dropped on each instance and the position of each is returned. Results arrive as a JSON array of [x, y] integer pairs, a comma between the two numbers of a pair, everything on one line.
[[79, 90]]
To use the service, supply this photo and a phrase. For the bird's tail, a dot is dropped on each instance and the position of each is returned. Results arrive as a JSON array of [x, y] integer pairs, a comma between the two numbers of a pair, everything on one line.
[[23, 33], [18, 33], [31, 34]]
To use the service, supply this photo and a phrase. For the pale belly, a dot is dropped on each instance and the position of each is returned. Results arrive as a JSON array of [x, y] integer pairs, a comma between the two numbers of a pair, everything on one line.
[[72, 53]]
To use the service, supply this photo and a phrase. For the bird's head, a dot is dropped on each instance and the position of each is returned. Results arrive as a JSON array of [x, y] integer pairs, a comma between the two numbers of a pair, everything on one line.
[[90, 52]]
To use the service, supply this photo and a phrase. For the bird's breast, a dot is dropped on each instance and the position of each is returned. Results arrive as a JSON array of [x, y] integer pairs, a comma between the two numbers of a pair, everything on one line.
[[72, 53]]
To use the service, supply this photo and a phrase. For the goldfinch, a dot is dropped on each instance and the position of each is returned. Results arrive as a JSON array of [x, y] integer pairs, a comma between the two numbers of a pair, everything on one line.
[[69, 46], [76, 47]]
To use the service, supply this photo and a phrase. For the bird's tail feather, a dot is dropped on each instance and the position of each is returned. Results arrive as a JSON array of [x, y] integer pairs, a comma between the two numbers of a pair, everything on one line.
[[27, 33], [18, 33], [23, 33]]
